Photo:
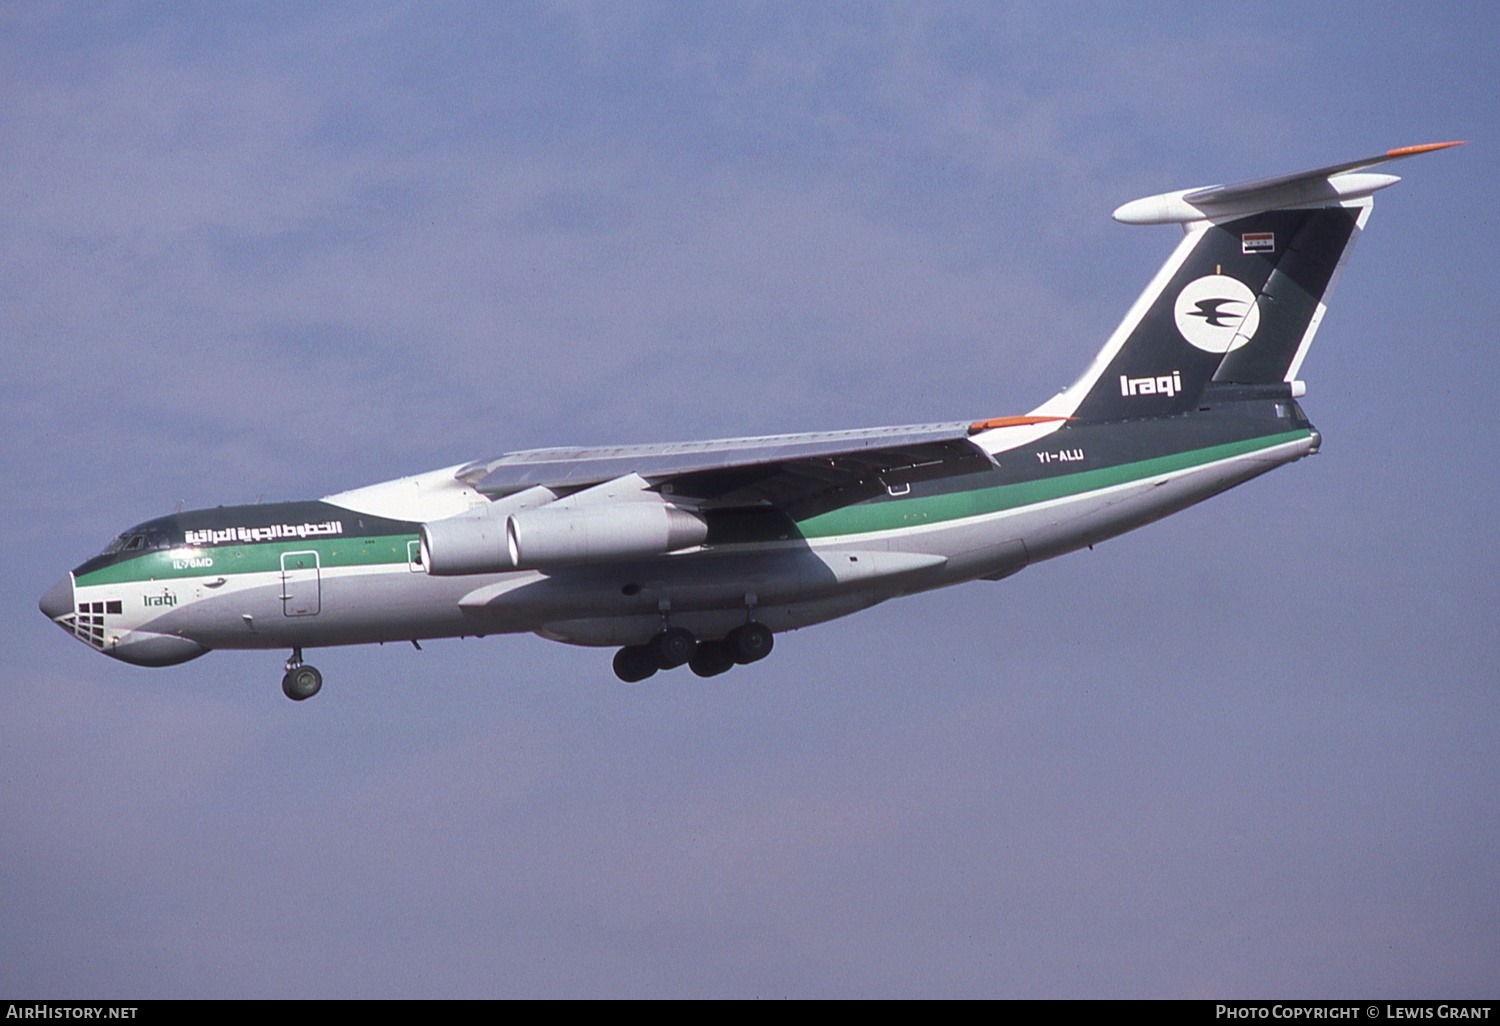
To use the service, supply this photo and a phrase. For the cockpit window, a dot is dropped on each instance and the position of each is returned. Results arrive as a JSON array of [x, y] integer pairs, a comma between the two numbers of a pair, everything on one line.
[[120, 544], [138, 540]]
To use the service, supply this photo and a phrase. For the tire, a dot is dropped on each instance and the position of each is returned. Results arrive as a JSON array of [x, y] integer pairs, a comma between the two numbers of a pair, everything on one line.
[[634, 663], [750, 643], [711, 659], [673, 647], [302, 683]]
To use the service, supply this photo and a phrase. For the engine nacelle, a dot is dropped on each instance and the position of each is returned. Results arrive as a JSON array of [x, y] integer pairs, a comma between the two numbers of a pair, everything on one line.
[[494, 540], [473, 543], [550, 536]]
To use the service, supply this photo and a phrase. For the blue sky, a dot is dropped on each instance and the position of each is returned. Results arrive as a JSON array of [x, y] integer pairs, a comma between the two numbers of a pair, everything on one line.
[[279, 251]]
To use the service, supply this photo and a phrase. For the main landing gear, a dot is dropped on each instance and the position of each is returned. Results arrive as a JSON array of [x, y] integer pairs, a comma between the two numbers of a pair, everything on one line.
[[301, 681], [674, 646]]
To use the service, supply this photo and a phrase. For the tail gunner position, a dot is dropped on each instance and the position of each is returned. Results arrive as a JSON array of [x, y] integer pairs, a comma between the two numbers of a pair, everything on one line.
[[697, 553]]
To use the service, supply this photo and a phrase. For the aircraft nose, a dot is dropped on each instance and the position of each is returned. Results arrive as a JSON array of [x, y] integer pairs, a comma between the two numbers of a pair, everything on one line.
[[59, 599]]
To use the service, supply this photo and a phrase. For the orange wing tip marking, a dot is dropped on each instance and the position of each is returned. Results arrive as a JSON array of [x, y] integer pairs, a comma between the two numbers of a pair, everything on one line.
[[1407, 151], [1000, 422]]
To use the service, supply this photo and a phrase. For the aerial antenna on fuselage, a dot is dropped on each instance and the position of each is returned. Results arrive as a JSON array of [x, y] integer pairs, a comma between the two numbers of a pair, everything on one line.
[[178, 507]]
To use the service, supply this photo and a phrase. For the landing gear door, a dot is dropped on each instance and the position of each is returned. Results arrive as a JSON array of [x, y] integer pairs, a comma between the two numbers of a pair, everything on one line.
[[301, 584]]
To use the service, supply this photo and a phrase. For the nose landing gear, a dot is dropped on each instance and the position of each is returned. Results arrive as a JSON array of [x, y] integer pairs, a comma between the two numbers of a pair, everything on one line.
[[301, 681]]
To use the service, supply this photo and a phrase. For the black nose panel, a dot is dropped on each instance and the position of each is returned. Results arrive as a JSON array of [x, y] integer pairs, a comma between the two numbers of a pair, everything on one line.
[[59, 599]]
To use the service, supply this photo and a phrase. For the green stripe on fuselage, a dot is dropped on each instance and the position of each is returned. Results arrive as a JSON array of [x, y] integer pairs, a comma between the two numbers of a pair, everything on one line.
[[172, 564], [893, 514]]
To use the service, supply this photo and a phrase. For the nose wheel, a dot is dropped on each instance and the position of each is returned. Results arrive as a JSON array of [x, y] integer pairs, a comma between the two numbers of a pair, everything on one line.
[[301, 681]]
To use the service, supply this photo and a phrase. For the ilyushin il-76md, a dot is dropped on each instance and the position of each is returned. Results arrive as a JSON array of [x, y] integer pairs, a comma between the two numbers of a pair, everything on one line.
[[699, 553]]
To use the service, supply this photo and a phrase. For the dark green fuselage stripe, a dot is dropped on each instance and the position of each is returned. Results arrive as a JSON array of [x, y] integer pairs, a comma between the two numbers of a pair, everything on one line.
[[893, 514], [251, 558]]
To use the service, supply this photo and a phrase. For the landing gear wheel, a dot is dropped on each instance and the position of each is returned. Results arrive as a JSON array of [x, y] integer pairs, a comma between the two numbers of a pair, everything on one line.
[[711, 659], [634, 663], [302, 683], [673, 647], [750, 643]]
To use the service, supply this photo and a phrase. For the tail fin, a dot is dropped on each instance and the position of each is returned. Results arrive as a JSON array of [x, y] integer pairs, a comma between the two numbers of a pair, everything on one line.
[[1239, 300]]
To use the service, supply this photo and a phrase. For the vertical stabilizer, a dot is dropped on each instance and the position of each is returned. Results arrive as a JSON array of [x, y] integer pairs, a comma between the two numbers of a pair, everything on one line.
[[1239, 300]]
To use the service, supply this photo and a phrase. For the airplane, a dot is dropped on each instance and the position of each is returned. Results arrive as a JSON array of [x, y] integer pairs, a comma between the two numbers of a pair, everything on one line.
[[699, 553]]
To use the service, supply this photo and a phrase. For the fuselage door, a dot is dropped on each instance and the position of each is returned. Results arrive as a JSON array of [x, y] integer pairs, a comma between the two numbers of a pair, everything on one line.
[[301, 585]]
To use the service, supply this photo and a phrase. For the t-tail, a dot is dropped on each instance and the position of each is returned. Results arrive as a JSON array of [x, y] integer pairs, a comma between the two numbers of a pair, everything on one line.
[[1235, 308]]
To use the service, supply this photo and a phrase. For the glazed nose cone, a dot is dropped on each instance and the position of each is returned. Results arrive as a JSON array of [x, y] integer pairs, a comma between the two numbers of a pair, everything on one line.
[[59, 598]]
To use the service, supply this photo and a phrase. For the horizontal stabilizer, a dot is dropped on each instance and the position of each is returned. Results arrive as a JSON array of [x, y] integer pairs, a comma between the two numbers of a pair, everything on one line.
[[1322, 186]]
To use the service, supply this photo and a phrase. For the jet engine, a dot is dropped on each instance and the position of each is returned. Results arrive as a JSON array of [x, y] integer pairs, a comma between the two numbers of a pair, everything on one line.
[[552, 536], [491, 541], [471, 543]]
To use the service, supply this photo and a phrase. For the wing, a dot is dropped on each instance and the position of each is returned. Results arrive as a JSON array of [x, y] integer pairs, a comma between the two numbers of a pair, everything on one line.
[[801, 475]]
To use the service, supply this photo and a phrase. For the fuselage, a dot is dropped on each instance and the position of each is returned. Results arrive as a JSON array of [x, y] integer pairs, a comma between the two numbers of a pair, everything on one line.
[[348, 569]]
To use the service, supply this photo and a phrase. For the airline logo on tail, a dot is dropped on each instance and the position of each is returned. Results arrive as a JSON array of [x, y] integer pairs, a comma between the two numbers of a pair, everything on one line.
[[1217, 313], [1162, 384]]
